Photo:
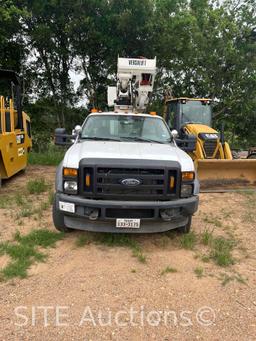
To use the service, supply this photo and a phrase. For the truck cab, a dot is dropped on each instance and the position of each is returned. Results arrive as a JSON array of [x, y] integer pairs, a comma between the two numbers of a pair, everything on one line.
[[125, 173]]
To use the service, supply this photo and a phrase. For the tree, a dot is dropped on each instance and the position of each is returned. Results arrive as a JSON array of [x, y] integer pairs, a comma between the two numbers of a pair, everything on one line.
[[12, 47], [47, 27]]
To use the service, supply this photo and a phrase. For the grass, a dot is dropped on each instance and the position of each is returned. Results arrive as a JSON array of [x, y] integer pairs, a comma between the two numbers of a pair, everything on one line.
[[220, 248], [28, 211], [23, 251], [51, 197], [188, 241], [19, 200], [122, 240], [5, 201], [199, 272], [25, 212], [212, 220], [250, 206], [206, 237], [205, 258], [221, 251], [51, 157], [136, 252], [168, 269], [226, 278], [82, 240], [37, 186], [23, 201]]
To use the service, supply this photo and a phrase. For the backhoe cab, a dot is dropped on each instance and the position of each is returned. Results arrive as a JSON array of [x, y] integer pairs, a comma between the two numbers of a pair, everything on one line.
[[212, 156], [15, 130], [192, 118]]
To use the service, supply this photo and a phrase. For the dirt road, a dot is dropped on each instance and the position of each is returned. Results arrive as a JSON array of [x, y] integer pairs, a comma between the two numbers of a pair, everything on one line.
[[101, 291]]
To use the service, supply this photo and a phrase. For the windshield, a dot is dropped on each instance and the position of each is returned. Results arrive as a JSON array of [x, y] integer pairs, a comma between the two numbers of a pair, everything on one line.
[[125, 128], [196, 112]]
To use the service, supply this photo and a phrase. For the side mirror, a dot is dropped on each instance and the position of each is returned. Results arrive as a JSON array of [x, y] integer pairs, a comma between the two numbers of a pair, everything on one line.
[[77, 130], [60, 136], [174, 134]]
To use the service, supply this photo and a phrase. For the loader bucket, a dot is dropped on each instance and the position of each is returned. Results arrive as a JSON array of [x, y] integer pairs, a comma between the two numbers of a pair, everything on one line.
[[217, 175]]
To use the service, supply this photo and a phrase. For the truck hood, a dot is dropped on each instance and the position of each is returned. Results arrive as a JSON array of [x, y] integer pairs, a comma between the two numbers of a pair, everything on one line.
[[126, 150]]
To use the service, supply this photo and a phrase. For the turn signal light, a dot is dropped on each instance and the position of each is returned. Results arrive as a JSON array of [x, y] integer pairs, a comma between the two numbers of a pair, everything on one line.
[[70, 172], [188, 176], [172, 182], [88, 180]]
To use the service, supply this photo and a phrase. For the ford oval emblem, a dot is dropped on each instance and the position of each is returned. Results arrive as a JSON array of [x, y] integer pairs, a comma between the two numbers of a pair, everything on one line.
[[131, 182]]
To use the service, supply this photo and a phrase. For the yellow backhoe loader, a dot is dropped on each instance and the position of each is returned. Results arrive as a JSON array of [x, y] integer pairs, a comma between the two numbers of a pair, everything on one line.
[[217, 171], [15, 130]]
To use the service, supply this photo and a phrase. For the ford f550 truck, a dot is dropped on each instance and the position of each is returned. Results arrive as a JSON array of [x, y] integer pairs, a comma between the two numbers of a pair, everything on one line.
[[124, 173]]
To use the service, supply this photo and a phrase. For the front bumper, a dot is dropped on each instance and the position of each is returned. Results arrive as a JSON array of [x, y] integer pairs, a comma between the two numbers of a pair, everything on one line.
[[79, 220]]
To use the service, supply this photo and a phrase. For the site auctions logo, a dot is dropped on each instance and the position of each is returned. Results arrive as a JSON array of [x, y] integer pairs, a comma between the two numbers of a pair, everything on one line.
[[59, 316]]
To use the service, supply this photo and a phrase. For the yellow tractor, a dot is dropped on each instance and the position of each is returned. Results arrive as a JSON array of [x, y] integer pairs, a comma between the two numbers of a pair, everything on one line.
[[15, 129], [192, 118]]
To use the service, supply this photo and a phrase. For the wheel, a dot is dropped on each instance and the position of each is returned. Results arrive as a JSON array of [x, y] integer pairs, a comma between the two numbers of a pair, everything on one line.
[[187, 227], [58, 219], [252, 156]]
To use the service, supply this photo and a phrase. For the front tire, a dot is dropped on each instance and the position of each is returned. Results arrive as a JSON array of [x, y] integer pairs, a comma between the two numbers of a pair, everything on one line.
[[252, 156], [186, 228], [58, 218]]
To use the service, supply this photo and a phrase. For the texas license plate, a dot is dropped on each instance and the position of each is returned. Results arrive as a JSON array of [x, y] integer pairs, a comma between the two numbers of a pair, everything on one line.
[[128, 223]]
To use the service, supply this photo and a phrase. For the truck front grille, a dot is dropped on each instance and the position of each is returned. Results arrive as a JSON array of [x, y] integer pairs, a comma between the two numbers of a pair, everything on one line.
[[110, 183]]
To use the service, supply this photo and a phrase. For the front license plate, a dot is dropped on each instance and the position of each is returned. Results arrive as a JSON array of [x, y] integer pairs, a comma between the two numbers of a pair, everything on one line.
[[128, 223]]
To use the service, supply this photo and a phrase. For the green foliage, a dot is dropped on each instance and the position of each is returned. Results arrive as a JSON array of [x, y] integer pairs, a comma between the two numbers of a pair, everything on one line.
[[203, 48], [49, 157], [37, 186], [221, 251], [23, 251], [199, 272], [188, 240], [82, 240], [123, 240], [206, 237], [168, 269], [42, 237]]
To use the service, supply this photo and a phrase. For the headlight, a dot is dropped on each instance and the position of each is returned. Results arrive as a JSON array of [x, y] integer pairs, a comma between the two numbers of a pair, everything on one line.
[[70, 187], [186, 191]]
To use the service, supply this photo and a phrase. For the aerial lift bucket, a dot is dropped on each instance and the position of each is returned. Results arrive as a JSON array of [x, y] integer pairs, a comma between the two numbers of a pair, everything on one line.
[[217, 175]]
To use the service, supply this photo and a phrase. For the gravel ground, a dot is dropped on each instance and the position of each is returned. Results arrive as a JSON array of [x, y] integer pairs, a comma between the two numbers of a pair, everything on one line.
[[99, 292]]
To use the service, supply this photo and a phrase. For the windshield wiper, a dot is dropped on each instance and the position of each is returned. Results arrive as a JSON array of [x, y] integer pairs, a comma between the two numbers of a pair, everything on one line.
[[96, 138], [141, 139]]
